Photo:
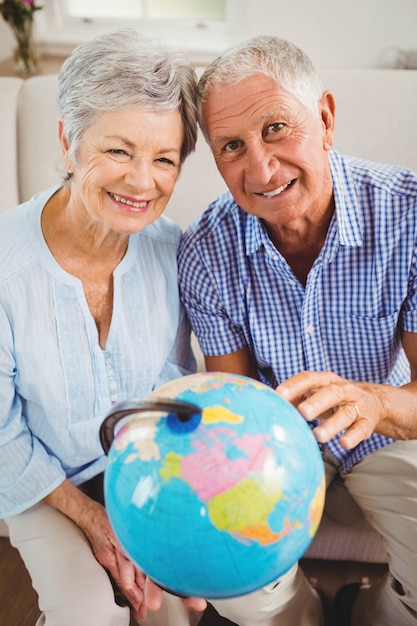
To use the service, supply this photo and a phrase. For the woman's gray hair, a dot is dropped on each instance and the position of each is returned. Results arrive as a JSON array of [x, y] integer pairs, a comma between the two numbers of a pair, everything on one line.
[[276, 58], [121, 70]]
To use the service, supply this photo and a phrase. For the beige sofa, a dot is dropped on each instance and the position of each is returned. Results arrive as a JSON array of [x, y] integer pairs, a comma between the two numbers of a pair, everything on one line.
[[376, 119]]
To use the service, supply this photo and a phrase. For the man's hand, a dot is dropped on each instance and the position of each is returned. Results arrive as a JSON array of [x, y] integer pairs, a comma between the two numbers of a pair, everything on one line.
[[356, 407], [153, 598]]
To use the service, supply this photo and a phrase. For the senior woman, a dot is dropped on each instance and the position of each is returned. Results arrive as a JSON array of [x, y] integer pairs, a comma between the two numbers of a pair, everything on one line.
[[90, 315]]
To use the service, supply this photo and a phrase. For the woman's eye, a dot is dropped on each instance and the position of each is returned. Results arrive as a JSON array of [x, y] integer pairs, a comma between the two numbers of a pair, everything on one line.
[[166, 161], [120, 155]]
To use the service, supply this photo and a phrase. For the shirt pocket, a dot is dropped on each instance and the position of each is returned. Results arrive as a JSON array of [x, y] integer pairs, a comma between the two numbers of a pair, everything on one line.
[[373, 344]]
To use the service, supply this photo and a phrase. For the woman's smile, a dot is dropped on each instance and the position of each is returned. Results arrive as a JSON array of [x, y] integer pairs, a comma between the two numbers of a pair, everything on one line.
[[129, 203]]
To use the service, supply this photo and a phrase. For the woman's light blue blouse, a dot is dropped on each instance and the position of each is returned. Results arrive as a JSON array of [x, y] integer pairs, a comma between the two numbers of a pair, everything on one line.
[[56, 382]]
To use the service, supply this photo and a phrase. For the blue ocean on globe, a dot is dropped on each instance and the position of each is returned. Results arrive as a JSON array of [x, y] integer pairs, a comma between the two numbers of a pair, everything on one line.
[[222, 503]]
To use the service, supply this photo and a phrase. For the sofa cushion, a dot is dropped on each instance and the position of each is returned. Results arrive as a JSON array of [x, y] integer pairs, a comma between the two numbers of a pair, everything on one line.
[[40, 158]]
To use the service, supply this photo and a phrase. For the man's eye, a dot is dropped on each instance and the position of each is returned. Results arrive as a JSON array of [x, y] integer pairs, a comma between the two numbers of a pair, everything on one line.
[[232, 146], [274, 128]]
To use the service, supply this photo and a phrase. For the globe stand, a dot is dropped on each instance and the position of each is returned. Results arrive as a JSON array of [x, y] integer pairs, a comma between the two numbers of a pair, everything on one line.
[[183, 417]]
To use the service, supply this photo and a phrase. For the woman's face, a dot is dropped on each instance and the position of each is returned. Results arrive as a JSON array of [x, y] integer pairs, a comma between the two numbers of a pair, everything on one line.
[[127, 165]]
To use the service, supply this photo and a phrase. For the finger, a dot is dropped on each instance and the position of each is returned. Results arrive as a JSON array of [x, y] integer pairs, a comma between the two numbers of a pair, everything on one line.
[[153, 598], [128, 583], [153, 595], [324, 401], [359, 431], [127, 574], [141, 613], [140, 578], [195, 604], [301, 385], [341, 419]]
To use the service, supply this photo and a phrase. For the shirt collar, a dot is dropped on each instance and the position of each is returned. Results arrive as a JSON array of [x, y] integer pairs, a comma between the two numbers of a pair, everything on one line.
[[256, 235], [348, 212], [348, 219]]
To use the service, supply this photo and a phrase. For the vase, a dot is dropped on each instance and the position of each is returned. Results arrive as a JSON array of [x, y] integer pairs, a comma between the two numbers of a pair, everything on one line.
[[26, 53]]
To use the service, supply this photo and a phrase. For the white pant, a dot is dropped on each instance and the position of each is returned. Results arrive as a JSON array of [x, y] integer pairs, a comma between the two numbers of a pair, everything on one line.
[[73, 588], [288, 601], [384, 484]]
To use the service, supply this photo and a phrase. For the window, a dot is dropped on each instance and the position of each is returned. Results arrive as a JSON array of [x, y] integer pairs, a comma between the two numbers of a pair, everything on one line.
[[201, 27], [148, 9]]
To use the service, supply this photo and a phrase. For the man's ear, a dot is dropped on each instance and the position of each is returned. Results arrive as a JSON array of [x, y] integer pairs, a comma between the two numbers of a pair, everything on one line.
[[65, 147], [328, 110]]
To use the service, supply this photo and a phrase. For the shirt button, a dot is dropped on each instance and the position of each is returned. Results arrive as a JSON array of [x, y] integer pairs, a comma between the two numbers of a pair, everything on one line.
[[292, 281], [310, 329]]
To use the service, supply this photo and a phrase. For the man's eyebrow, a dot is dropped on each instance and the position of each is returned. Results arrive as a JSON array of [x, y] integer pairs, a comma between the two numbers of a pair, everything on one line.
[[266, 117], [223, 139], [279, 111]]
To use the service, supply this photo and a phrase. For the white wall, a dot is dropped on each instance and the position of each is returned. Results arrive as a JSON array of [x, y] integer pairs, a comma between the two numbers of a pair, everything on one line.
[[335, 33], [6, 40], [340, 33]]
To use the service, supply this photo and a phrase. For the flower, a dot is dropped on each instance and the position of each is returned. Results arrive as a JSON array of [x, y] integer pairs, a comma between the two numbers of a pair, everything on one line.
[[19, 15], [17, 12]]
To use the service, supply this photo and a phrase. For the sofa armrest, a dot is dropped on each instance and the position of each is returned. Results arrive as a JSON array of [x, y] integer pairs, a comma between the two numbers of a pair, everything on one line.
[[9, 89]]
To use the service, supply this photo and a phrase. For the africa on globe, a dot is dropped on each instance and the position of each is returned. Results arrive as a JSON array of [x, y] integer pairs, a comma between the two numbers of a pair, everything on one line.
[[214, 485]]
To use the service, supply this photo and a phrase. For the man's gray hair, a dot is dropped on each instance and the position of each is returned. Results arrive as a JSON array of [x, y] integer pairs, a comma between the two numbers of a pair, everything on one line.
[[121, 70], [271, 56]]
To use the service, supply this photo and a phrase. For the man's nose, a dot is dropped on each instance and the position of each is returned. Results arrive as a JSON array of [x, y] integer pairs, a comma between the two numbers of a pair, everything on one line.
[[261, 164]]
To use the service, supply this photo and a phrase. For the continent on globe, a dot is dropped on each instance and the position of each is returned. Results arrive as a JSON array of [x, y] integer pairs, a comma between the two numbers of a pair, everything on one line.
[[221, 501]]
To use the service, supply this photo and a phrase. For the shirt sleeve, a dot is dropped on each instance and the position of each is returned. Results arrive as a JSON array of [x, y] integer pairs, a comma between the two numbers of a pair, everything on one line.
[[181, 360], [410, 307], [27, 472], [203, 281]]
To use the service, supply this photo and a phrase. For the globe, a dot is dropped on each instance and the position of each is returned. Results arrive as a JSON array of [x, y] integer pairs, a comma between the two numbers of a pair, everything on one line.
[[214, 485]]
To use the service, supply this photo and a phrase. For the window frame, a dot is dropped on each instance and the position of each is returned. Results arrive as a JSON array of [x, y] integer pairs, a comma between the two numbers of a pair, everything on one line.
[[202, 40]]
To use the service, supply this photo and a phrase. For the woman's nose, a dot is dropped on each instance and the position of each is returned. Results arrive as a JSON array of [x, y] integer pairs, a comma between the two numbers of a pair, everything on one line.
[[139, 174]]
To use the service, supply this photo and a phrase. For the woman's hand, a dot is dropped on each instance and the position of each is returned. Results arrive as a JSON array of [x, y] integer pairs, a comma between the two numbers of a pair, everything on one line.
[[129, 579], [357, 407], [91, 517]]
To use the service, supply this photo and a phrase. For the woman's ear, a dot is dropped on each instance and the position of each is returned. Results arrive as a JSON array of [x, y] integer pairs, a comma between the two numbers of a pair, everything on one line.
[[328, 110], [69, 166]]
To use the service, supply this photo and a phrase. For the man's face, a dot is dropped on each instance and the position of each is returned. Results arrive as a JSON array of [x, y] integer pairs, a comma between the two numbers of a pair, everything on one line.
[[270, 150]]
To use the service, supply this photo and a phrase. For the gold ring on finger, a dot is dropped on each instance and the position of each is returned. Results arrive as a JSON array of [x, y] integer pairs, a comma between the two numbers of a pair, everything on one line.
[[352, 404]]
